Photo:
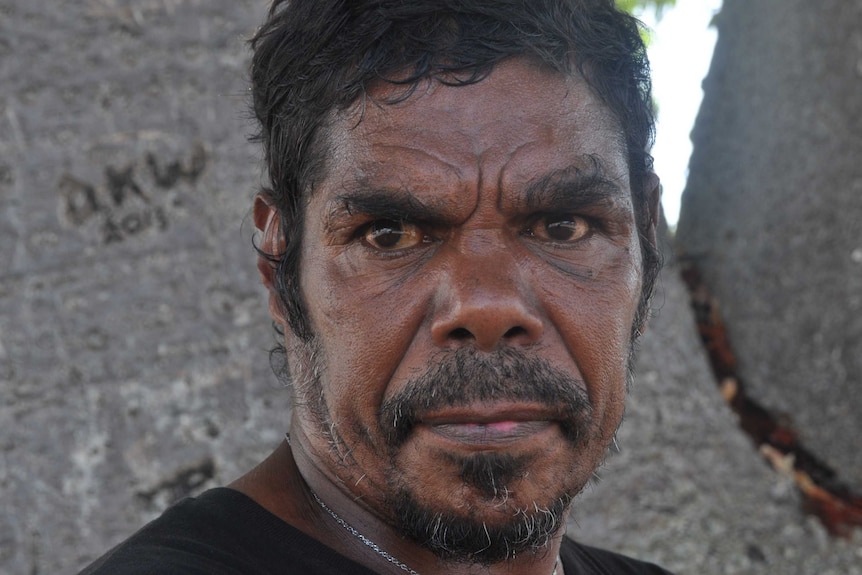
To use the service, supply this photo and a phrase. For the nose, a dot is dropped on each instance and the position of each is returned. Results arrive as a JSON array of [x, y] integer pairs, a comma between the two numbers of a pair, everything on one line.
[[485, 302]]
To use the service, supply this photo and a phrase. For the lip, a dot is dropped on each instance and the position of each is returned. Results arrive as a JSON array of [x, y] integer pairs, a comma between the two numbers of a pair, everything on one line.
[[489, 427]]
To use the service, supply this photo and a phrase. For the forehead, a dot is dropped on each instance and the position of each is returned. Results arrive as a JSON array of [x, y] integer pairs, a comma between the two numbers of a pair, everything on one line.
[[519, 123]]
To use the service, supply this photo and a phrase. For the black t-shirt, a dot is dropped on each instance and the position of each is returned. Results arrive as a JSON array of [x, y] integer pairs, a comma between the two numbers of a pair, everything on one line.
[[224, 532]]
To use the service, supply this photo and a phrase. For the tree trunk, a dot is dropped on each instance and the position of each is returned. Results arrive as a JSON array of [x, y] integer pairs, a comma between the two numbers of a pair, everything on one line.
[[771, 213]]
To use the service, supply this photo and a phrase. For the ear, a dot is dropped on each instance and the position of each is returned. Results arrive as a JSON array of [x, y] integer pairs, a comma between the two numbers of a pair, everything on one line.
[[272, 244]]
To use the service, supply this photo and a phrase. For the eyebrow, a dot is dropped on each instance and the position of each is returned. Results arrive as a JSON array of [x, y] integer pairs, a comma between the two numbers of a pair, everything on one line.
[[576, 186], [386, 204]]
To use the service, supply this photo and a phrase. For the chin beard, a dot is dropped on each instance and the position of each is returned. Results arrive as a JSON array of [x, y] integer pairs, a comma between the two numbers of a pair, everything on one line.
[[492, 527], [471, 539]]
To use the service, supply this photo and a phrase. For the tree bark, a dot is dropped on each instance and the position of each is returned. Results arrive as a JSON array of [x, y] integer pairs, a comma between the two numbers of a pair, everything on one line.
[[772, 209]]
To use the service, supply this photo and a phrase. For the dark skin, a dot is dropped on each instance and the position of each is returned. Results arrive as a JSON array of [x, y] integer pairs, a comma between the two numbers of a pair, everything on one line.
[[493, 215]]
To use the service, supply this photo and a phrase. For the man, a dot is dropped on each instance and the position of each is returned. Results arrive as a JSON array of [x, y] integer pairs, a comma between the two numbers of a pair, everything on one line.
[[459, 246]]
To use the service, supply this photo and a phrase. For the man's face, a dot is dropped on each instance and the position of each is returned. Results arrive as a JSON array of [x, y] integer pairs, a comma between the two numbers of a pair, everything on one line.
[[471, 270]]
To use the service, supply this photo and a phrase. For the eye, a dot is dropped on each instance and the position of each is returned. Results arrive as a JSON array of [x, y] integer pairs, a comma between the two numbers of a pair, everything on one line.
[[565, 228], [390, 235]]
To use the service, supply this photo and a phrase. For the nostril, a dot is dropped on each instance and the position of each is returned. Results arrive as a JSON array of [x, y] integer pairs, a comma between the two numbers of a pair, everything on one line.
[[514, 332], [461, 334], [486, 322]]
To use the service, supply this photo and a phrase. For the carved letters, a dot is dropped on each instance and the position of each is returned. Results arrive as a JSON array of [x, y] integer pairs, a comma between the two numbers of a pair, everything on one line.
[[132, 198]]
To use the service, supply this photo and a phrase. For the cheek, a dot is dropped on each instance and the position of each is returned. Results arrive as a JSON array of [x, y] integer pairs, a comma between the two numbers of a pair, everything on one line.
[[594, 319], [617, 295], [365, 322]]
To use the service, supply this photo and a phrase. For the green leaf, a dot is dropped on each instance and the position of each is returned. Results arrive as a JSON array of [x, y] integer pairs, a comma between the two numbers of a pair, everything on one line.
[[638, 6]]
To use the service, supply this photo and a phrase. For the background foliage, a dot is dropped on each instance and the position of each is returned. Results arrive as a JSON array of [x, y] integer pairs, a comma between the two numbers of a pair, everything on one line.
[[638, 6]]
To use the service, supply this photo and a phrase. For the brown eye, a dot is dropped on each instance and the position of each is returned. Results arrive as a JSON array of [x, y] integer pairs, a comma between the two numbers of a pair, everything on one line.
[[566, 228], [393, 235]]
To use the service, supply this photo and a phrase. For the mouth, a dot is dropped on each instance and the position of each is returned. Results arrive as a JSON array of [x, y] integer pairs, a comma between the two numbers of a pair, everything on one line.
[[487, 427]]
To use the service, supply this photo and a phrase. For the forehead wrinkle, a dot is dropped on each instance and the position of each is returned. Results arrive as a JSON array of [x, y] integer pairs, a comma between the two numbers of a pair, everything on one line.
[[410, 149], [363, 128], [452, 188], [503, 171]]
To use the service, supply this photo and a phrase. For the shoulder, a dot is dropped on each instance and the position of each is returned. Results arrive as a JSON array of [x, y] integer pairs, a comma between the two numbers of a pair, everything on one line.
[[222, 532], [580, 558], [193, 536]]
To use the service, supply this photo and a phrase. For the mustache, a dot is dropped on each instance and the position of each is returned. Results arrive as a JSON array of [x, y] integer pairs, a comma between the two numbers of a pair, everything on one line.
[[470, 376]]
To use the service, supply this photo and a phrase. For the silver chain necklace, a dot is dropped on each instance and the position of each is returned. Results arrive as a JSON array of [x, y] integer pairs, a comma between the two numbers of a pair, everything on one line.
[[368, 542]]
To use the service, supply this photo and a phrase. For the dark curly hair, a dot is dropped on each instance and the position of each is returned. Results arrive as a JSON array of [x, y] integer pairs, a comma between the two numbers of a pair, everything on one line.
[[313, 57]]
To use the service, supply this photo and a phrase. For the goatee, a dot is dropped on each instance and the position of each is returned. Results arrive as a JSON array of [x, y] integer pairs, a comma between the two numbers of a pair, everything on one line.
[[461, 378]]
